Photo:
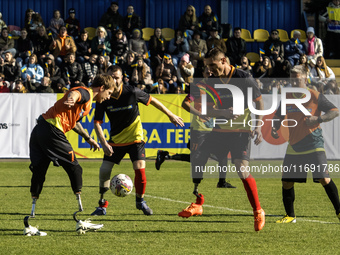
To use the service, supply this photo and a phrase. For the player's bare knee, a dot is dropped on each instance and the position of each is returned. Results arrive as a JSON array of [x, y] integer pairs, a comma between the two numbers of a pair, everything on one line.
[[138, 164], [324, 181]]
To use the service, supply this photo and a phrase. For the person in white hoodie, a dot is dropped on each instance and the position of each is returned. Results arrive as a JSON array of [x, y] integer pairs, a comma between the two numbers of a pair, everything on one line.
[[33, 70]]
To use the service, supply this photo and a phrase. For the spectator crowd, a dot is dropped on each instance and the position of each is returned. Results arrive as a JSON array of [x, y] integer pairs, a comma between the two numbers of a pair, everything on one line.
[[56, 57]]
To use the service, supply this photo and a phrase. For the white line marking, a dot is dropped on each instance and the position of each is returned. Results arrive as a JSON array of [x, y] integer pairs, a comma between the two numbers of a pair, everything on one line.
[[235, 210]]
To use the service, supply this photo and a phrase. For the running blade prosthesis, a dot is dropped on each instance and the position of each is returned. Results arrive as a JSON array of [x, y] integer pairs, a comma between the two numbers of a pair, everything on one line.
[[29, 230], [83, 226]]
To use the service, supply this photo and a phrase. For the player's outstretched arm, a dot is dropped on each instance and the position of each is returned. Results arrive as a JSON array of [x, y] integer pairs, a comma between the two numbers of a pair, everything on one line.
[[81, 131], [100, 134], [176, 120]]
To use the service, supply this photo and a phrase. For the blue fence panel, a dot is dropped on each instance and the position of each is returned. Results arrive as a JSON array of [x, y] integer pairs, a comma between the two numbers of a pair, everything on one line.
[[265, 14], [249, 14], [168, 12], [13, 12]]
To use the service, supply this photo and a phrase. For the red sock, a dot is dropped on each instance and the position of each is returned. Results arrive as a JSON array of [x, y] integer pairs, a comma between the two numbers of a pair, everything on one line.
[[250, 186], [140, 181]]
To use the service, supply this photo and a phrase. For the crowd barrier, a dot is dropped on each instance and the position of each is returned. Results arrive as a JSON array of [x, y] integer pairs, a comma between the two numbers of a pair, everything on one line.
[[18, 114]]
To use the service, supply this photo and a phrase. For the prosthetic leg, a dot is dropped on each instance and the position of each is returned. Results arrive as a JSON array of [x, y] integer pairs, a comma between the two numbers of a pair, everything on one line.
[[194, 208], [86, 225], [29, 230]]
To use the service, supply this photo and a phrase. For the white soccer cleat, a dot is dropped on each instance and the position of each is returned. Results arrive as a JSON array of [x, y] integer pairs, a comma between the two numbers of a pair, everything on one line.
[[33, 231], [86, 225]]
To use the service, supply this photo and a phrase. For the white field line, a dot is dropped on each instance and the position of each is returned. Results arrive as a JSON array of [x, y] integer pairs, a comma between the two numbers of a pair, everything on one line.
[[234, 210]]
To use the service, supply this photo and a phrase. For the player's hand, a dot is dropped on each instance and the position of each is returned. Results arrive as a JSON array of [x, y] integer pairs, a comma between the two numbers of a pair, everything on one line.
[[71, 100], [228, 114], [108, 151], [274, 133], [93, 144], [311, 121], [258, 136], [177, 121]]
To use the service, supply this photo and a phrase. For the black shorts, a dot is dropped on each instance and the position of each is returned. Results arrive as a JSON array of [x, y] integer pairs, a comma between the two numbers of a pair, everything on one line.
[[237, 143], [199, 147], [48, 143], [295, 167], [136, 152]]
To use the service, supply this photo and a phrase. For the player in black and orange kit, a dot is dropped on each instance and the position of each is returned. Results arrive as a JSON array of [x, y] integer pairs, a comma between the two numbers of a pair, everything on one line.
[[48, 142], [306, 145], [234, 138], [126, 136]]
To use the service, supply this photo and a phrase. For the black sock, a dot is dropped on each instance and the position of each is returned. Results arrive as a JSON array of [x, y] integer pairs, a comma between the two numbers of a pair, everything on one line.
[[182, 157], [221, 180], [139, 199], [332, 192], [288, 197]]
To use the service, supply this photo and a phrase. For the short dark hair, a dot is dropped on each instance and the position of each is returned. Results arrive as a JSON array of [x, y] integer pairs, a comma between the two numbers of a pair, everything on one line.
[[214, 52], [237, 29], [115, 68]]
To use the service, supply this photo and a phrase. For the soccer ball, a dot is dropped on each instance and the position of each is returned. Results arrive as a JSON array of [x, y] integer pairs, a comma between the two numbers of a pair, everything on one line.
[[121, 185]]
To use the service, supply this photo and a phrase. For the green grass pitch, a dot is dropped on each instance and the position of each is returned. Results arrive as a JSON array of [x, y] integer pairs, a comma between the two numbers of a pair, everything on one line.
[[226, 226]]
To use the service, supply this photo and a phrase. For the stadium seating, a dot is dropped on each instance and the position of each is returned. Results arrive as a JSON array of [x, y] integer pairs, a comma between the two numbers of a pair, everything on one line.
[[91, 31], [333, 62], [303, 34], [253, 57], [245, 34], [283, 35], [261, 35], [168, 33], [147, 33]]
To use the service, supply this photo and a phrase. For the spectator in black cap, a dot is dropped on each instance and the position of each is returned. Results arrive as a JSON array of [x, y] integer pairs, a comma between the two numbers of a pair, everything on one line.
[[111, 19], [214, 41], [72, 24]]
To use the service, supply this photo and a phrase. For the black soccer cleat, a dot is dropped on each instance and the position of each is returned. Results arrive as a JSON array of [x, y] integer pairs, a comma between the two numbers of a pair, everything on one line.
[[225, 185], [160, 158]]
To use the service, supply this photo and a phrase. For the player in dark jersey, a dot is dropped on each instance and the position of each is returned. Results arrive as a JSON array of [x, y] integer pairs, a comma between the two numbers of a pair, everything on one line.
[[48, 142], [126, 136], [306, 145], [230, 138], [201, 127]]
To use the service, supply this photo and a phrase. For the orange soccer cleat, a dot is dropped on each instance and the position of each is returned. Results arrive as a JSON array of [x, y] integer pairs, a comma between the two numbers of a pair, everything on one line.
[[259, 219], [191, 210]]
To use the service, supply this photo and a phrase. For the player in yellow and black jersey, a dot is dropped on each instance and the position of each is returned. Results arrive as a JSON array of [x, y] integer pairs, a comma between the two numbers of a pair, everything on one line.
[[126, 136]]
